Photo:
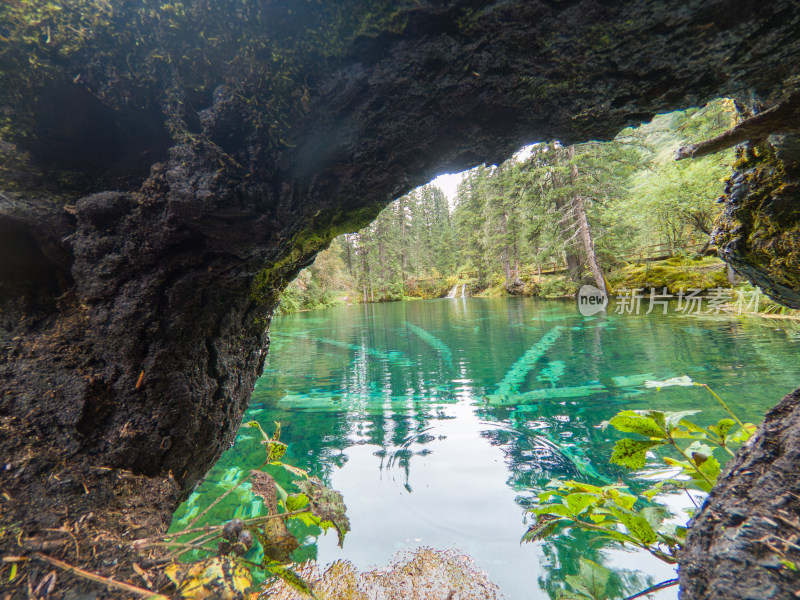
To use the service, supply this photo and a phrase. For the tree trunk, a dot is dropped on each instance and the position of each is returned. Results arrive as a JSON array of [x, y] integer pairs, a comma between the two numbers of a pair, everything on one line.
[[565, 207], [588, 245], [584, 230], [744, 539]]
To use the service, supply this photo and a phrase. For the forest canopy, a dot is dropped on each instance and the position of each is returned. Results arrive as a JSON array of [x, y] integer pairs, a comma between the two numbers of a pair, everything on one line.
[[519, 214]]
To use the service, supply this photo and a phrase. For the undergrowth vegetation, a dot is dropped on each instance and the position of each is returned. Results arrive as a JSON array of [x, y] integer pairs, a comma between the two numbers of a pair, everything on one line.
[[691, 455]]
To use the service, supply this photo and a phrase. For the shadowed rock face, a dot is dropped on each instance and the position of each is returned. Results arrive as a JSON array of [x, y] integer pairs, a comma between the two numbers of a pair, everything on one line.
[[759, 230], [168, 171]]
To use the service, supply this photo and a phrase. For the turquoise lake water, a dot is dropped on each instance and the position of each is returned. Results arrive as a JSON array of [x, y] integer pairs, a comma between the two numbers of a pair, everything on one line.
[[439, 421]]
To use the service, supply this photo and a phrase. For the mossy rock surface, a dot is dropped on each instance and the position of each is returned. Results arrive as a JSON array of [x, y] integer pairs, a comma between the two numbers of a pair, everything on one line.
[[758, 232], [675, 274]]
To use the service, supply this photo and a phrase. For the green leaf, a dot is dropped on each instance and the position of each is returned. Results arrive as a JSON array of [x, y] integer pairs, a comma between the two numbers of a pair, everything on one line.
[[699, 447], [296, 502], [692, 427], [742, 435], [631, 421], [276, 451], [327, 504], [577, 584], [631, 453], [567, 595], [636, 525], [544, 526], [291, 577], [654, 515], [546, 495], [594, 577], [554, 509], [583, 487], [579, 501], [723, 428], [626, 501], [710, 468], [307, 519], [674, 418]]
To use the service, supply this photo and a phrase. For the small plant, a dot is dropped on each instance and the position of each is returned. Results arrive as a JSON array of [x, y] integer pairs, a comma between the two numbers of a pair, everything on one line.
[[227, 572], [617, 514]]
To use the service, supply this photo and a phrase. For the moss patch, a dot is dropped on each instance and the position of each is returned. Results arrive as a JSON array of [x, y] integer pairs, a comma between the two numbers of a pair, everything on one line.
[[674, 274]]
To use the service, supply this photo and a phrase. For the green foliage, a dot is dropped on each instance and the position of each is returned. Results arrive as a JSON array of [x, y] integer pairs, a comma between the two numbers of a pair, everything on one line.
[[509, 218], [326, 505], [675, 274], [591, 582], [306, 500], [615, 513]]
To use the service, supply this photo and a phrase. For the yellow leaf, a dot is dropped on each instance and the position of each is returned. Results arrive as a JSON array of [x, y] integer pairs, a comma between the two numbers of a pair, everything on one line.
[[221, 577]]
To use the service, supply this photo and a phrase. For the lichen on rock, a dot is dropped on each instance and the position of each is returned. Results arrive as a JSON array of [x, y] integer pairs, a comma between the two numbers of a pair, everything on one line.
[[758, 232]]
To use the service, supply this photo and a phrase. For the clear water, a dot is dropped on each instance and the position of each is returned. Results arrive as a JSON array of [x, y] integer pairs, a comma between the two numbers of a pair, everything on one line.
[[387, 404]]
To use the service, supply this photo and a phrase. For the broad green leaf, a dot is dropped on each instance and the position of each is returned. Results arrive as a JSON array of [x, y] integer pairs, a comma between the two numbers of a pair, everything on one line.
[[654, 515], [699, 447], [656, 415], [630, 421], [636, 525], [674, 418], [594, 577], [700, 481], [576, 582], [597, 517], [327, 504], [306, 518], [567, 595], [631, 453], [710, 468], [723, 428], [296, 502], [546, 495], [694, 428], [276, 450], [555, 509], [579, 501], [626, 501], [583, 487]]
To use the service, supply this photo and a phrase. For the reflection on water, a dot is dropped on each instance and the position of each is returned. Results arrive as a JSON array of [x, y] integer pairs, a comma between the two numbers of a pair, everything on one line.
[[439, 421]]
